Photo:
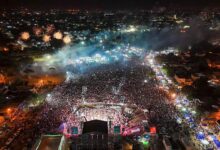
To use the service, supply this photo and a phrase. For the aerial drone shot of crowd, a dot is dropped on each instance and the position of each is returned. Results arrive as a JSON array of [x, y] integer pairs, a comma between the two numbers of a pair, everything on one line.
[[96, 96], [86, 76]]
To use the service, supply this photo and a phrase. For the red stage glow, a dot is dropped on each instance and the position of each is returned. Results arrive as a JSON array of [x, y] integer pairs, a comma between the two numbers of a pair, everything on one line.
[[153, 130]]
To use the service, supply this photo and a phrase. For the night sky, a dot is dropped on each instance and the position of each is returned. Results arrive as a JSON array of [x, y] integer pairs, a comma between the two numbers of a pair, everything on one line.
[[106, 4]]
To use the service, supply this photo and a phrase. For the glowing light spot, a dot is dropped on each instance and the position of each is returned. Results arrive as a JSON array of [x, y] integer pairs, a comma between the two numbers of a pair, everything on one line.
[[46, 38], [173, 95], [205, 142], [131, 29], [48, 57], [193, 112], [9, 110], [25, 36], [5, 49], [58, 35], [67, 39], [179, 120]]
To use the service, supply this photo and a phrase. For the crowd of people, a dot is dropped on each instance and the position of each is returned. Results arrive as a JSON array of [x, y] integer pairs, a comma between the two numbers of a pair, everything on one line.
[[127, 85], [109, 85]]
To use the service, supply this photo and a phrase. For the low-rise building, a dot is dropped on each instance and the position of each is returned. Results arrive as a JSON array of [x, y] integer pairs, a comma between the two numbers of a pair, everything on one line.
[[213, 63], [182, 80]]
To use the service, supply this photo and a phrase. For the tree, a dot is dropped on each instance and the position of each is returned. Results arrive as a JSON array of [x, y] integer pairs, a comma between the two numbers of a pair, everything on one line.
[[202, 88], [200, 83], [189, 91], [216, 92], [151, 74], [168, 71]]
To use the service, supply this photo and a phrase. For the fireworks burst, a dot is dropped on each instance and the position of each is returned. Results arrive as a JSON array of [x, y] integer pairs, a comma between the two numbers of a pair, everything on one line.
[[67, 39], [46, 38], [25, 36], [58, 35], [37, 31]]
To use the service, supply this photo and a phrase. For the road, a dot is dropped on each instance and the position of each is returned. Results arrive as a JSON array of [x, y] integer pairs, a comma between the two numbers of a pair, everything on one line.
[[187, 114]]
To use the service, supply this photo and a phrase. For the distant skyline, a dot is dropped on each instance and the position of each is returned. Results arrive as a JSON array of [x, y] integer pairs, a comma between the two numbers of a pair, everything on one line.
[[107, 4]]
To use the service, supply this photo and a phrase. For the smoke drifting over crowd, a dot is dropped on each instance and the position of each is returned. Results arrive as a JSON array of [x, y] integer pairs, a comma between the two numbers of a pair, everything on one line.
[[80, 59], [119, 47]]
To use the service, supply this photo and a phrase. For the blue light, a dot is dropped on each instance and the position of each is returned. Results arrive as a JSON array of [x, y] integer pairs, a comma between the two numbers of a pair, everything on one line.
[[217, 143], [200, 136]]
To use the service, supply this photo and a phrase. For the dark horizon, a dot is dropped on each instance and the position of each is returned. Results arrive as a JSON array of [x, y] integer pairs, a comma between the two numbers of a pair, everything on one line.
[[108, 4]]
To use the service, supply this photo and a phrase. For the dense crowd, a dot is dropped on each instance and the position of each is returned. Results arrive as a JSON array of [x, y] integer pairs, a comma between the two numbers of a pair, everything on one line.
[[127, 85]]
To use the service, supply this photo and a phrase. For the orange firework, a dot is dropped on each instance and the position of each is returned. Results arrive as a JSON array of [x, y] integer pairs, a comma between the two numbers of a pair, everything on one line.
[[67, 39], [46, 38], [37, 31], [50, 28], [58, 35], [25, 36], [5, 49]]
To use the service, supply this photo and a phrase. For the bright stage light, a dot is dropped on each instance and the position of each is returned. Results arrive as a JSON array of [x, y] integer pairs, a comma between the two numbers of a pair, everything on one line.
[[9, 110]]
